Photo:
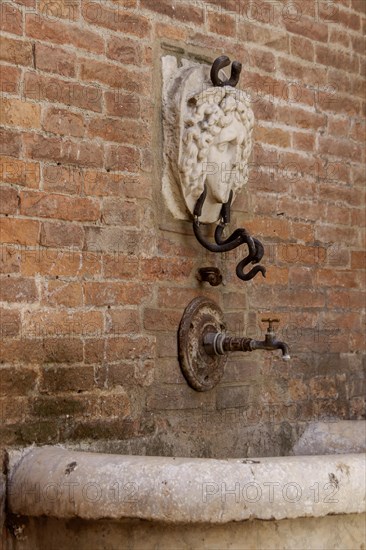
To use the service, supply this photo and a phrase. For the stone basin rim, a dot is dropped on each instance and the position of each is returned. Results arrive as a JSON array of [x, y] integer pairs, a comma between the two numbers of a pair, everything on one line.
[[182, 490]]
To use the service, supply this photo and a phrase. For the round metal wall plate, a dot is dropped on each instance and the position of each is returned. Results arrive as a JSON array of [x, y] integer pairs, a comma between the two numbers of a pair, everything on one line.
[[202, 371]]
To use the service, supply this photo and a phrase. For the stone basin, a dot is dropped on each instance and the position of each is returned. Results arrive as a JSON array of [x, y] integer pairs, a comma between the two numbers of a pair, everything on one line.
[[64, 497]]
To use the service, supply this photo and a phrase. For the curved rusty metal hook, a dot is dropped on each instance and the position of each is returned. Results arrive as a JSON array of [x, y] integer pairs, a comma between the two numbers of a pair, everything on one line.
[[237, 238], [220, 63]]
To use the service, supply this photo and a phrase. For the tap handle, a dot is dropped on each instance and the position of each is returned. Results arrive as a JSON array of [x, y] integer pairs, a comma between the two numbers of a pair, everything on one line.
[[270, 323]]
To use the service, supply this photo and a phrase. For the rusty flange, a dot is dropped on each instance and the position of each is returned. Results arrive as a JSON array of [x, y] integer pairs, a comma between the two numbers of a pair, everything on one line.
[[202, 371]]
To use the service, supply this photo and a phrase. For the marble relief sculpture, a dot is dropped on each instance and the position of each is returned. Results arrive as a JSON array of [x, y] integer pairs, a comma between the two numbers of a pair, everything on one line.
[[210, 142]]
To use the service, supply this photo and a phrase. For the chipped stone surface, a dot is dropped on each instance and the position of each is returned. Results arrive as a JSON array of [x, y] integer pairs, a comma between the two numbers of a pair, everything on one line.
[[346, 436], [72, 484]]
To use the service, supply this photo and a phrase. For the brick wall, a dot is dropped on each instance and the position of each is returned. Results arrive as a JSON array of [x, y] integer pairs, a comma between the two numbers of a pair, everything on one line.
[[95, 272]]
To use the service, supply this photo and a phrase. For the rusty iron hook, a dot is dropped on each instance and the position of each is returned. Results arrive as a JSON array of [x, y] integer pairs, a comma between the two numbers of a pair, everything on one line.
[[238, 237], [220, 63]]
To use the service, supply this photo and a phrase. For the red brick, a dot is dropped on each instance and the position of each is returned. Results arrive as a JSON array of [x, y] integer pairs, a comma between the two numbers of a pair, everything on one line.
[[114, 293], [340, 37], [19, 231], [122, 104], [62, 235], [52, 89], [54, 59], [17, 381], [67, 379], [339, 148], [8, 200], [221, 24], [335, 14], [58, 32], [120, 131], [185, 12], [125, 50], [339, 59], [63, 179], [9, 323], [9, 259], [10, 142], [16, 51], [115, 76], [46, 148], [15, 112], [63, 122], [62, 207], [162, 319], [153, 269], [65, 9], [302, 47], [308, 27], [129, 348], [331, 233], [19, 172], [119, 212], [54, 323], [310, 74], [119, 266], [358, 259], [293, 116], [18, 289], [11, 19], [123, 321], [341, 278], [115, 19], [9, 79], [304, 141], [170, 32], [63, 293], [122, 158], [59, 263], [272, 136], [338, 103], [273, 38]]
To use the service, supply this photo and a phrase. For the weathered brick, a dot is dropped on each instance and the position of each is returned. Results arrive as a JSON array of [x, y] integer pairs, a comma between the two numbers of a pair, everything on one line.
[[158, 319], [115, 19], [55, 322], [63, 122], [57, 32], [58, 206], [8, 200], [55, 90], [11, 19], [65, 378], [81, 153], [10, 142], [61, 235], [19, 231], [221, 23], [9, 79], [115, 76], [17, 381], [119, 212], [15, 112], [16, 51], [120, 131], [65, 9], [19, 172], [122, 158], [9, 323], [63, 293], [18, 289], [307, 27], [114, 293]]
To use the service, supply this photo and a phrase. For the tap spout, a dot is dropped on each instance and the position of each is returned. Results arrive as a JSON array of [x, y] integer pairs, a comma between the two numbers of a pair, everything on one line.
[[272, 344]]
